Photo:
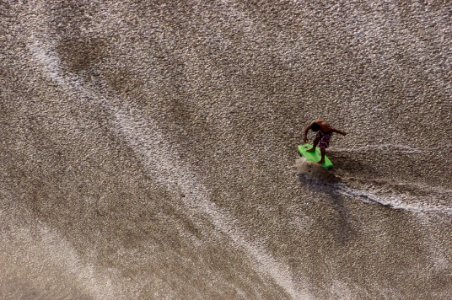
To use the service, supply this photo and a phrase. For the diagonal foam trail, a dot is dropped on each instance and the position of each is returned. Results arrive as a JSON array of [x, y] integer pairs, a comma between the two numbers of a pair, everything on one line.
[[150, 145]]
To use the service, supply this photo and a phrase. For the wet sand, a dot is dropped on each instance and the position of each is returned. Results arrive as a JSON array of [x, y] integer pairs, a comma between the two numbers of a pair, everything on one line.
[[148, 151]]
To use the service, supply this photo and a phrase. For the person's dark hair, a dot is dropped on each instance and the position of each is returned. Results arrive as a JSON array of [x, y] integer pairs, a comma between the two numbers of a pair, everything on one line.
[[315, 127]]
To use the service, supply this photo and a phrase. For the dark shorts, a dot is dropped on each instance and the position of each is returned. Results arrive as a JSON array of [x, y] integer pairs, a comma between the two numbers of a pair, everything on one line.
[[324, 139]]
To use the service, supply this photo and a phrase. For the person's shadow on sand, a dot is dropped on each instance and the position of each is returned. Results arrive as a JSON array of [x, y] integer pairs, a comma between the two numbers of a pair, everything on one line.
[[325, 182]]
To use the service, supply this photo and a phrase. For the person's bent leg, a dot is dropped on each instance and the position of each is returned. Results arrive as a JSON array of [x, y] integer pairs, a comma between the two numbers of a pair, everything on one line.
[[323, 152], [316, 142]]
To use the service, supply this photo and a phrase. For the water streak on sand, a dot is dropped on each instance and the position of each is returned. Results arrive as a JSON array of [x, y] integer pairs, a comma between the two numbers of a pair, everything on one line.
[[325, 181]]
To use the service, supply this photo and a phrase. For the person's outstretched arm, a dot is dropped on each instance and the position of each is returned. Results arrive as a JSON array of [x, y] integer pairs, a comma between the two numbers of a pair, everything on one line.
[[339, 131]]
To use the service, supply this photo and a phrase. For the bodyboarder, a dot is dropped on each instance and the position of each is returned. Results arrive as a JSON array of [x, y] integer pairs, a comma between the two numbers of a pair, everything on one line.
[[323, 136]]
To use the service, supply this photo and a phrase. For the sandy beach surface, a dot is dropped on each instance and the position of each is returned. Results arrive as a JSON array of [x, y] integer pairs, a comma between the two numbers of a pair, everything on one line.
[[148, 150]]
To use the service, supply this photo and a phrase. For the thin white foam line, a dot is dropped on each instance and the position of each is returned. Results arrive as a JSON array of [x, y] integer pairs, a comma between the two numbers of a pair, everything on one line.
[[187, 181], [417, 185], [355, 148], [393, 201]]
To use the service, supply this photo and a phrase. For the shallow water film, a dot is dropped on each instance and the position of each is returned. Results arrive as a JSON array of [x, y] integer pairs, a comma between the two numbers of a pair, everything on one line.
[[148, 150]]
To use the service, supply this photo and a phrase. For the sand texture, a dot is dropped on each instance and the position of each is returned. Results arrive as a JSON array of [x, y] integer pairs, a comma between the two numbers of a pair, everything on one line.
[[148, 150]]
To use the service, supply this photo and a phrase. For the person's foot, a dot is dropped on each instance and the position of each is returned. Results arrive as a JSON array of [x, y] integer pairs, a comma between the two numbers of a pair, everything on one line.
[[311, 150], [321, 161]]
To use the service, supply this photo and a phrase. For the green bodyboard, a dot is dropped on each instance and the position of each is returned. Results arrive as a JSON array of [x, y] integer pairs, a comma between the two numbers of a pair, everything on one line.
[[314, 157]]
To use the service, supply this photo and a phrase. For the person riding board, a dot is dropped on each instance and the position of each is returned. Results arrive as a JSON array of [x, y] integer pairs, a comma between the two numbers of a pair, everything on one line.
[[323, 136]]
